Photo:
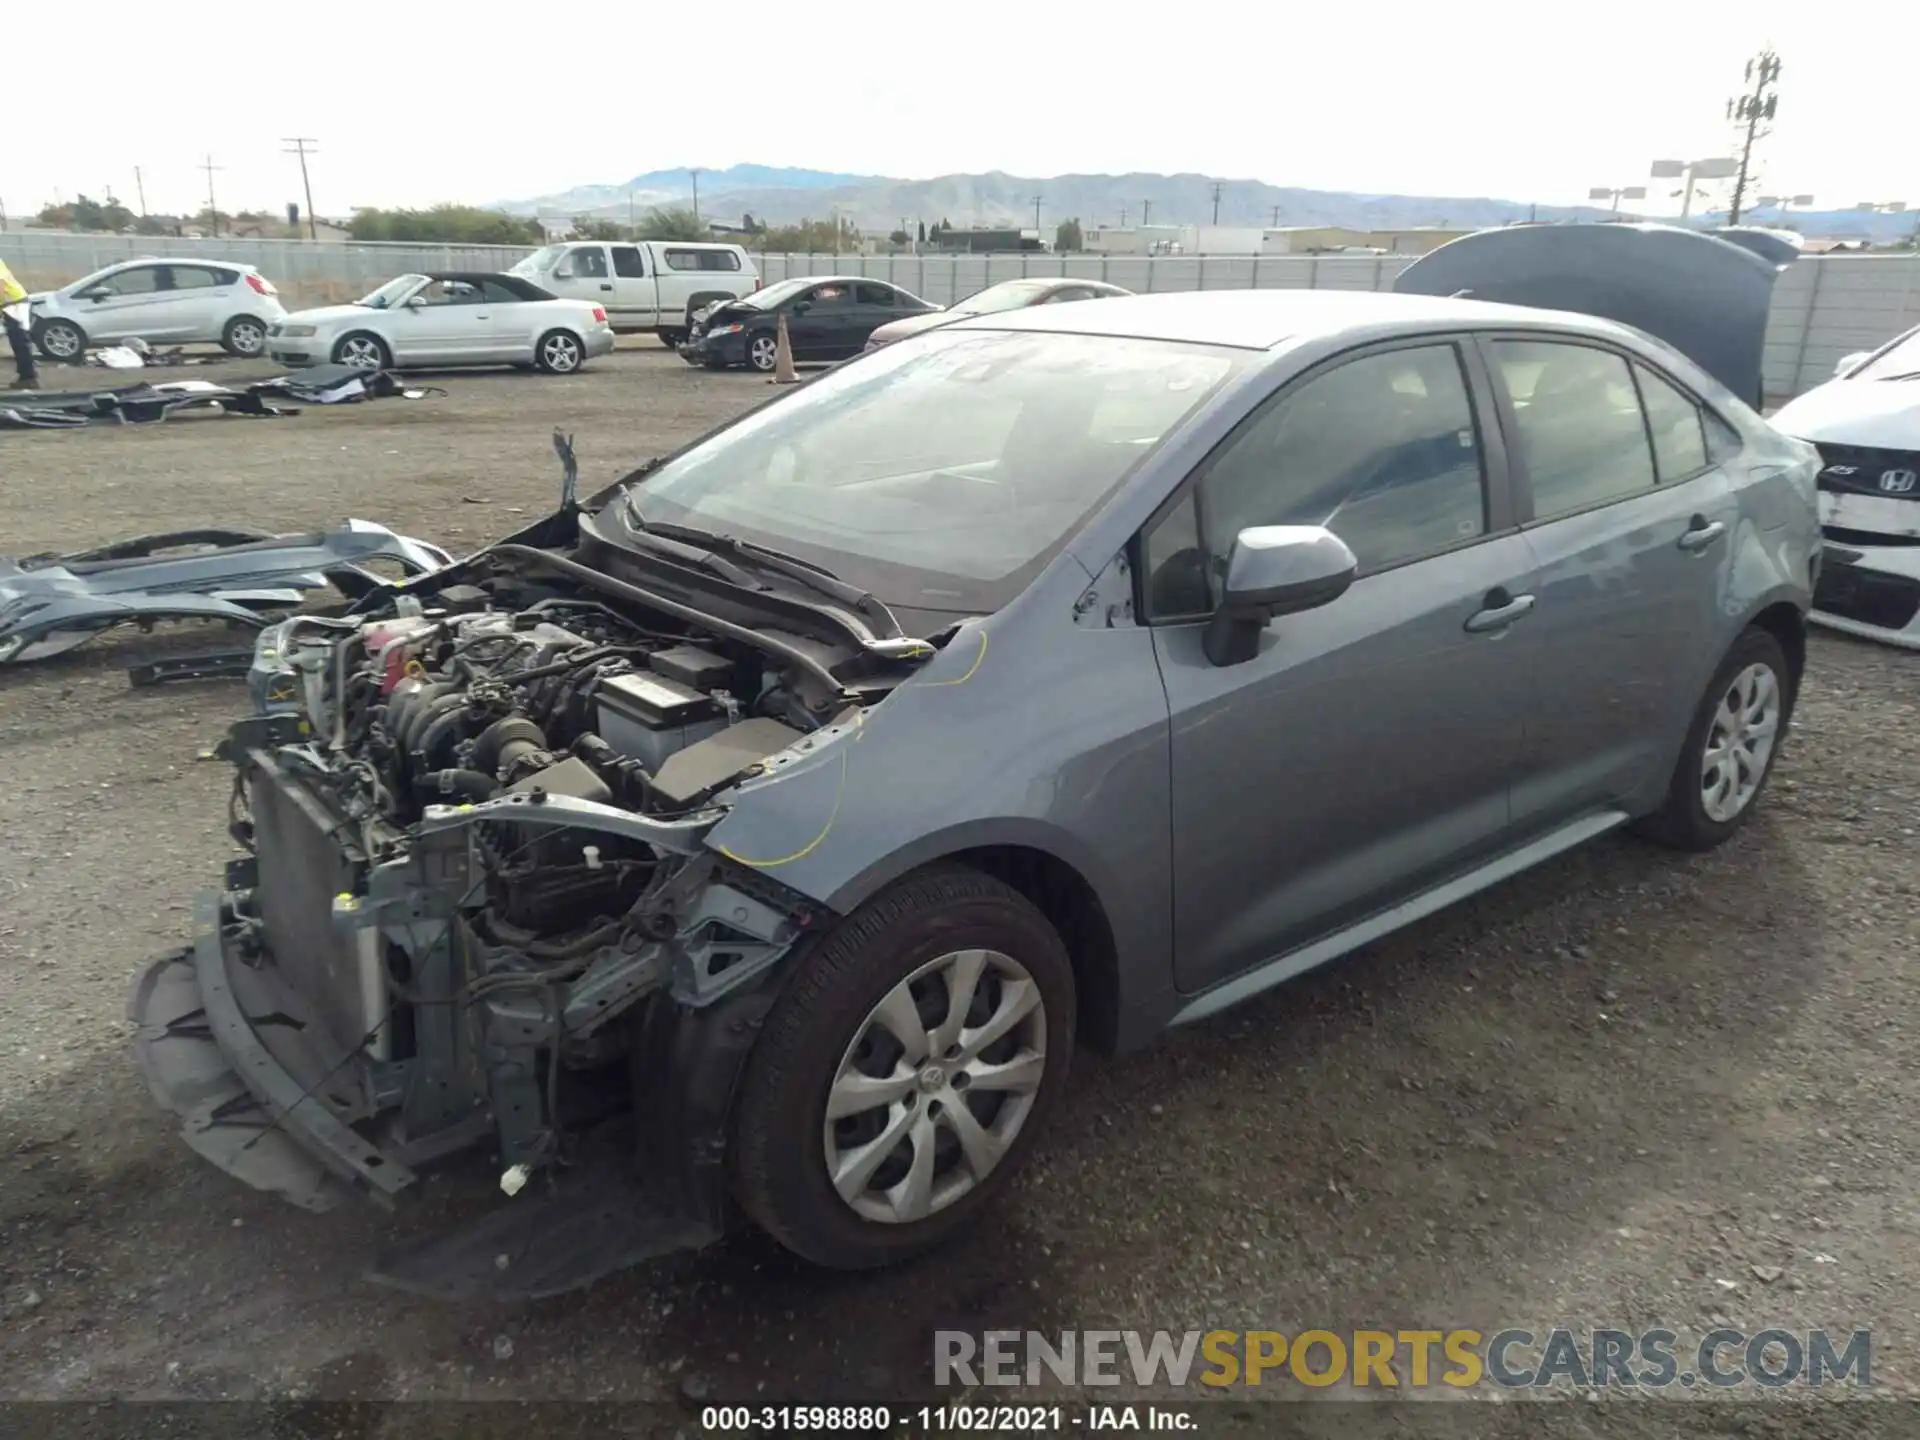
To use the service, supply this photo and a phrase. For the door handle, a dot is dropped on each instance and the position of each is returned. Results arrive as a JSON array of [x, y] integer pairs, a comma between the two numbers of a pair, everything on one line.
[[1699, 535], [605, 286], [1499, 611]]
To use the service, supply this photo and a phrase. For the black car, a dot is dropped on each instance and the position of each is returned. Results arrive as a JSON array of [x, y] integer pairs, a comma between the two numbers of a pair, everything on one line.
[[829, 317]]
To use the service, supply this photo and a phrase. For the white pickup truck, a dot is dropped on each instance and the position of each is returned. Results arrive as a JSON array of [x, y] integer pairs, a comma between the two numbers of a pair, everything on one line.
[[645, 285]]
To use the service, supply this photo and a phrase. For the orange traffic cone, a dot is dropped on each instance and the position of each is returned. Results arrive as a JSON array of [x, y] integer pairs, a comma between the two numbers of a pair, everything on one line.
[[783, 371]]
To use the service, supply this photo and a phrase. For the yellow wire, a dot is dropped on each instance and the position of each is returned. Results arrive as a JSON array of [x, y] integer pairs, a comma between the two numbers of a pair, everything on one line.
[[807, 849], [930, 684]]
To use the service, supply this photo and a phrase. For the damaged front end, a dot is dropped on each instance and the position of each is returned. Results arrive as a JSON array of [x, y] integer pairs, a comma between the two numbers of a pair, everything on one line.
[[478, 909]]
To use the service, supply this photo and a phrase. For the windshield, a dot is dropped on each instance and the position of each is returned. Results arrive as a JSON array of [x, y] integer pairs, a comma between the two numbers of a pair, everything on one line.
[[545, 258], [774, 294], [940, 476], [1012, 295], [391, 293], [1899, 360]]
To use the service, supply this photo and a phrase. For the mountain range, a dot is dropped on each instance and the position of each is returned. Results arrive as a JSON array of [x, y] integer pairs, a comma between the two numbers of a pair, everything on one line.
[[779, 195]]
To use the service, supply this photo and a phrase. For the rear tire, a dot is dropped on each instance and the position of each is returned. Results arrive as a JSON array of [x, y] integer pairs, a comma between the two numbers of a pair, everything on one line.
[[363, 351], [1730, 748], [559, 352], [245, 337], [60, 341], [965, 1100]]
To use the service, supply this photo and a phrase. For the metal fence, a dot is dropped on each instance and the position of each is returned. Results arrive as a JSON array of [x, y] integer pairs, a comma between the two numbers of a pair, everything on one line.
[[1824, 307]]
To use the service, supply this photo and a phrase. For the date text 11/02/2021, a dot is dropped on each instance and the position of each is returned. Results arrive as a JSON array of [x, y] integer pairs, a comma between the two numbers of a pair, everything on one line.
[[943, 1419]]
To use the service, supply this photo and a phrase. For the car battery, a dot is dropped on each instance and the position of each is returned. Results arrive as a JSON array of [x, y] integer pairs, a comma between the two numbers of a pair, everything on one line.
[[649, 717]]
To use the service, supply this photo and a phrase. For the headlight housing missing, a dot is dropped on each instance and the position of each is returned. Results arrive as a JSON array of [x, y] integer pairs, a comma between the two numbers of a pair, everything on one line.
[[296, 332]]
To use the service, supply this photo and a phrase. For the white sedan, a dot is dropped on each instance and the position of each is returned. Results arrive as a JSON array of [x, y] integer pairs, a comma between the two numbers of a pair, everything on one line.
[[451, 318]]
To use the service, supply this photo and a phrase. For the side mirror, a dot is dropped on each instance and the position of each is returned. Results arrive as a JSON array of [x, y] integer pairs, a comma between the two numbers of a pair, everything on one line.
[[563, 272], [800, 307], [94, 295], [414, 302], [1275, 570], [1849, 362]]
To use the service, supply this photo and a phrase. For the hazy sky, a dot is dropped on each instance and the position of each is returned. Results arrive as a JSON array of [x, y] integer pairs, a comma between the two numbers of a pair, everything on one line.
[[420, 102]]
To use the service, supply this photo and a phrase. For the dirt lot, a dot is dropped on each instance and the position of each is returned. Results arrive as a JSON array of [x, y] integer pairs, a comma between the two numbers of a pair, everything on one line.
[[1629, 1089]]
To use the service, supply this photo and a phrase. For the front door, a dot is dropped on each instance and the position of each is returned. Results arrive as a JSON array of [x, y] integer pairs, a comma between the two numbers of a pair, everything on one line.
[[133, 303], [819, 331], [1366, 751], [1631, 521], [439, 323], [584, 273], [634, 303]]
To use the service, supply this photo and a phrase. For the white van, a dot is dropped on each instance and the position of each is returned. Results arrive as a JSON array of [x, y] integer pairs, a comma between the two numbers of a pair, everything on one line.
[[646, 285]]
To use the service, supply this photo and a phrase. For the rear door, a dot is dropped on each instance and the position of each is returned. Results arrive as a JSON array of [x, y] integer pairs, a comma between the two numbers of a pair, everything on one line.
[[128, 304], [634, 302], [1630, 518], [202, 298], [875, 304], [1366, 751]]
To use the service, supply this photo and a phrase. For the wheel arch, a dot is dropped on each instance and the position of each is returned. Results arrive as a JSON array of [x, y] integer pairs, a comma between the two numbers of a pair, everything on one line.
[[1787, 623], [1055, 877]]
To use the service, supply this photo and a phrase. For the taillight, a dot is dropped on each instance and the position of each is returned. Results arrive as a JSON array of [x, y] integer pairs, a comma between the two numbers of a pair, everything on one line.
[[261, 286], [600, 314]]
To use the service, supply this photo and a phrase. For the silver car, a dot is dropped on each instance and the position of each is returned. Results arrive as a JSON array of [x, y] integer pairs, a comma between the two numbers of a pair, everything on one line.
[[1067, 673], [161, 301], [447, 318]]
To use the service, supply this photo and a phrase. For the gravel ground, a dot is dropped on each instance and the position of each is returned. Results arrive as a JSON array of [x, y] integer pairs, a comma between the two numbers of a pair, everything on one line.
[[1627, 1089]]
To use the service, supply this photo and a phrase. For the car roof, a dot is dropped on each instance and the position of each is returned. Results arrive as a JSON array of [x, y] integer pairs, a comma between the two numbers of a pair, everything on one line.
[[1262, 319], [179, 260]]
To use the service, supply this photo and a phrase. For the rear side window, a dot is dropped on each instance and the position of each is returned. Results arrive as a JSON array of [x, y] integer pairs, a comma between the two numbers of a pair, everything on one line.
[[193, 277], [627, 262], [1581, 435], [1674, 420], [701, 260]]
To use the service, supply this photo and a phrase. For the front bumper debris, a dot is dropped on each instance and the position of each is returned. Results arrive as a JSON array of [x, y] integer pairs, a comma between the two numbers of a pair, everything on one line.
[[1869, 582], [220, 1042]]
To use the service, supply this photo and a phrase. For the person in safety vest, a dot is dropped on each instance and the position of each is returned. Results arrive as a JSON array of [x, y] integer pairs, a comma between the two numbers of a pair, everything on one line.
[[17, 315]]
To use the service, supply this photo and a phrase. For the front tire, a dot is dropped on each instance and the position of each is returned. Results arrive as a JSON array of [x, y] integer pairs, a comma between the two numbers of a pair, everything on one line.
[[559, 352], [244, 337], [363, 351], [61, 341], [1730, 747], [763, 351], [903, 1076]]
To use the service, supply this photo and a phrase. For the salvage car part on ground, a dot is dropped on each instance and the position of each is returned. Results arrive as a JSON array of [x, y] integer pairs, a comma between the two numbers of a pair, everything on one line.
[[1866, 422], [150, 402], [763, 830], [50, 604]]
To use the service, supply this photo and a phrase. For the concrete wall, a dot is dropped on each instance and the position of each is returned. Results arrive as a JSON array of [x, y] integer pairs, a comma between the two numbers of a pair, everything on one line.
[[1824, 307]]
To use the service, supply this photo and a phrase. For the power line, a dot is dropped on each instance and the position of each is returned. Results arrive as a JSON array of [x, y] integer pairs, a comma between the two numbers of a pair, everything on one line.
[[297, 145], [213, 210]]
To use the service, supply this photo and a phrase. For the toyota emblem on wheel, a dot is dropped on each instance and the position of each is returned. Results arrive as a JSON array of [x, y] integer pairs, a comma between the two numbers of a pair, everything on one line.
[[1898, 482]]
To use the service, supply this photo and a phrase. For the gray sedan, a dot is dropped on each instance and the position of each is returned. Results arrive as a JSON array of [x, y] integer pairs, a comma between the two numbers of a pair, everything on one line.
[[1067, 673], [1007, 295]]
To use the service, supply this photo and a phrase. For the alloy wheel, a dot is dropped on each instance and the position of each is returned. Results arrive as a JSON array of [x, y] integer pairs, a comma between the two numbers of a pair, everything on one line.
[[561, 353], [361, 352], [1740, 743], [247, 337], [763, 352], [62, 342], [935, 1086]]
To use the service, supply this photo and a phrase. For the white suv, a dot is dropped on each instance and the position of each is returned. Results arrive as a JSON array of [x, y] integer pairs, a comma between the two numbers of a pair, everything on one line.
[[172, 301]]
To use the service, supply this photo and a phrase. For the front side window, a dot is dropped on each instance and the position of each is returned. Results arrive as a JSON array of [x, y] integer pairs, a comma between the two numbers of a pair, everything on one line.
[[826, 297], [1582, 437], [627, 262], [140, 280], [1382, 450], [589, 264]]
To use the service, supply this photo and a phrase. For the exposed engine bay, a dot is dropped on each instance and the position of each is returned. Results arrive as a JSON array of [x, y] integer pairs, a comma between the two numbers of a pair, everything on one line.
[[476, 907]]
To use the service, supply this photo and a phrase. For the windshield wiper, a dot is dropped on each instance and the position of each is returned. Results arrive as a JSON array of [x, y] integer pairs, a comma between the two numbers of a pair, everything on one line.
[[821, 582], [1904, 375]]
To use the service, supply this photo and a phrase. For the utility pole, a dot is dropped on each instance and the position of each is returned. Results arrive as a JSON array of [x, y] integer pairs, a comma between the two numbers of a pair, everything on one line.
[[1216, 202], [1036, 214], [1749, 109], [140, 189], [213, 210], [1276, 217], [298, 146], [1146, 211], [1123, 217], [695, 173]]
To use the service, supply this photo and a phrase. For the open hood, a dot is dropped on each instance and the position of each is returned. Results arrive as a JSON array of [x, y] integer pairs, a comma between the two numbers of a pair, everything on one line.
[[1706, 295]]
